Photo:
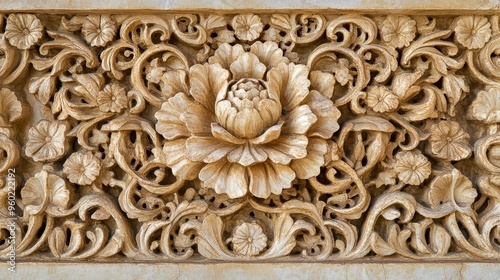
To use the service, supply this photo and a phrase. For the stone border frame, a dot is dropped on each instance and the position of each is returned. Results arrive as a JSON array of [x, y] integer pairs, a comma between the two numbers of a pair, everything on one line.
[[413, 179]]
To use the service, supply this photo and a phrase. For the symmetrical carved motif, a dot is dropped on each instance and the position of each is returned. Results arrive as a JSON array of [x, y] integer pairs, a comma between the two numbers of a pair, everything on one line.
[[250, 137]]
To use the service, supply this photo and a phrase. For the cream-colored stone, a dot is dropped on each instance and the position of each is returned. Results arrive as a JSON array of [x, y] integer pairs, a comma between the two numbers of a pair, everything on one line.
[[239, 5], [229, 271]]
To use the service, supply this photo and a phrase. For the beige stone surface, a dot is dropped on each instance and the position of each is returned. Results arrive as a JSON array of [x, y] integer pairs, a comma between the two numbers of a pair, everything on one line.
[[228, 5], [240, 271]]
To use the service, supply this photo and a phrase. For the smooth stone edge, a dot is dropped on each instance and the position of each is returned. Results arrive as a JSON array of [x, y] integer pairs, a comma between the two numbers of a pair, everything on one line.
[[270, 270]]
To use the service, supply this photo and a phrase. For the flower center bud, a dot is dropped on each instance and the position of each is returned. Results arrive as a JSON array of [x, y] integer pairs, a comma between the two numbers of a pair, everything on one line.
[[246, 94], [254, 110]]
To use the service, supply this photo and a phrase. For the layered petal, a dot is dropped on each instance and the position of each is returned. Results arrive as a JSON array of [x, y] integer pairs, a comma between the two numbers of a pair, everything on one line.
[[176, 159], [299, 120], [198, 119], [286, 148], [290, 82], [34, 193], [326, 113], [173, 82], [486, 106], [310, 165], [322, 82], [222, 134], [207, 81], [247, 66], [269, 53], [268, 177], [169, 122], [10, 107], [247, 155], [207, 149], [225, 177], [244, 124], [226, 54], [225, 112], [59, 195], [270, 110], [45, 190], [271, 134]]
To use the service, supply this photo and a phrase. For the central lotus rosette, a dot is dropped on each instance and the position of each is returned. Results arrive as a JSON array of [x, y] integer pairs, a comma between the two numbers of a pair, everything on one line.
[[246, 121], [247, 110]]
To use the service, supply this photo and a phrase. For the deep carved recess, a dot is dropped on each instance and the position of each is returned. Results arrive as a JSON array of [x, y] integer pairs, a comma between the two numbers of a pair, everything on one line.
[[250, 136]]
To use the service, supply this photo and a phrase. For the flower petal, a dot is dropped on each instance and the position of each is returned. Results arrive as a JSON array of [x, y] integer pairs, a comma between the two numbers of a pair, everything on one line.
[[247, 155], [10, 107], [181, 166], [207, 149], [59, 193], [322, 82], [207, 81], [459, 151], [290, 82], [247, 124], [170, 124], [269, 53], [226, 54], [224, 111], [59, 130], [267, 178], [34, 193], [271, 134], [33, 146], [270, 110], [310, 165], [286, 148], [247, 66], [225, 177], [221, 133], [463, 191], [486, 106], [198, 119], [299, 120], [173, 82], [327, 116]]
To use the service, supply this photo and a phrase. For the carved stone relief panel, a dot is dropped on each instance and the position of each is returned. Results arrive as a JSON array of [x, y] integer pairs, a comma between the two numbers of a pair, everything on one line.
[[249, 136]]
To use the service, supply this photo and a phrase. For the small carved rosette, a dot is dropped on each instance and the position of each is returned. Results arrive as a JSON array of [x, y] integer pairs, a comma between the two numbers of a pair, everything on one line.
[[249, 136]]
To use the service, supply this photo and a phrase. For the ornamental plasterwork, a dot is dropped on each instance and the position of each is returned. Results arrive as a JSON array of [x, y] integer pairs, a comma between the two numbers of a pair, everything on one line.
[[250, 136]]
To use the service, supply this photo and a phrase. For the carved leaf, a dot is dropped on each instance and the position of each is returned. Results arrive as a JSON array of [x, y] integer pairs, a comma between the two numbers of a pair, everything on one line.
[[282, 21], [426, 46], [454, 87], [44, 86], [380, 247], [209, 237], [284, 230]]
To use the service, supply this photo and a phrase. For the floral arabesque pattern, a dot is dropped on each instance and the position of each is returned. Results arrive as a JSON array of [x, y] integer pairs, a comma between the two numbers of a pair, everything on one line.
[[250, 137], [247, 121]]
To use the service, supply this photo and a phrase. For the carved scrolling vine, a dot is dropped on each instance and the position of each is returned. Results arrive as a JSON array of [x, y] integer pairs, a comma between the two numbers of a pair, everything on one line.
[[250, 137]]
